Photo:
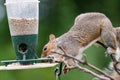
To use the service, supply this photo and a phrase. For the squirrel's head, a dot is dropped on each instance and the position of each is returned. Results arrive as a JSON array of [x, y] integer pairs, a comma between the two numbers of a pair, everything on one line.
[[50, 48]]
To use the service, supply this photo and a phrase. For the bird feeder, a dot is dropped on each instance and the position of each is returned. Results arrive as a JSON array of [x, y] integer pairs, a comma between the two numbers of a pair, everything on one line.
[[23, 24]]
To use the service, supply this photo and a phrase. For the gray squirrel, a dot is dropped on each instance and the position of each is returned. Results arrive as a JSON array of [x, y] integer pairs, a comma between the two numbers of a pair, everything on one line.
[[86, 30]]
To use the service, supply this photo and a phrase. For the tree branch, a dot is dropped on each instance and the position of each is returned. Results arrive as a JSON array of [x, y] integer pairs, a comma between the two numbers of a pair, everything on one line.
[[92, 73], [84, 63], [107, 77]]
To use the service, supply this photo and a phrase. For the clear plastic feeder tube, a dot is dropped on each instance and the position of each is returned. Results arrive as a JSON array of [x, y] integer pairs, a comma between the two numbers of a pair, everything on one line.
[[22, 16]]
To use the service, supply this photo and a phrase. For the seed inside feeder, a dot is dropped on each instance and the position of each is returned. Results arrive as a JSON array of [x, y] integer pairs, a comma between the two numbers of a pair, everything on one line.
[[23, 26]]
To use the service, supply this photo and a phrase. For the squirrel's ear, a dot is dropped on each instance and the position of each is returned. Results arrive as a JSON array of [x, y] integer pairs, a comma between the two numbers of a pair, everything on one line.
[[52, 37]]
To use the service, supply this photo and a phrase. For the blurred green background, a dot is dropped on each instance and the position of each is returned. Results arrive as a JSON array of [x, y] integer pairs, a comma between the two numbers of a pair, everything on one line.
[[57, 16]]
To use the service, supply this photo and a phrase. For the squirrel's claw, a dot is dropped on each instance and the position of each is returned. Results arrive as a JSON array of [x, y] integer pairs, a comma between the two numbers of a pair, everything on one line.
[[65, 70]]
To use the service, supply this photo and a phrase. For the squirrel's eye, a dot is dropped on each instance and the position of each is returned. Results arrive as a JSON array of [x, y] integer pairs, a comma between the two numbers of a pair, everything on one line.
[[45, 48]]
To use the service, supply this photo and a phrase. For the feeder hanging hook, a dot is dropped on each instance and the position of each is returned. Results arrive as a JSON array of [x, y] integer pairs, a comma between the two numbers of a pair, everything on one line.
[[58, 71]]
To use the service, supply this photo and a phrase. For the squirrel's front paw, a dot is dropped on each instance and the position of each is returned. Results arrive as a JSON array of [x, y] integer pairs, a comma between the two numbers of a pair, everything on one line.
[[109, 51], [65, 69], [69, 64]]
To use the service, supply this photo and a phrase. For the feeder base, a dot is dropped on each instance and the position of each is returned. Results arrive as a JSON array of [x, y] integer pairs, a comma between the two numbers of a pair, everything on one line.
[[17, 66]]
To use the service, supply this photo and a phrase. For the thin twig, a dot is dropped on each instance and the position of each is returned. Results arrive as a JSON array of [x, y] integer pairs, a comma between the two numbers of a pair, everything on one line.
[[89, 65], [92, 73], [84, 63]]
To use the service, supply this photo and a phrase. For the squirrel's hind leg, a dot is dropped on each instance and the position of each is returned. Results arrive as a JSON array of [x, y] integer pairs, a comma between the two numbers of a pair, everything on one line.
[[109, 39]]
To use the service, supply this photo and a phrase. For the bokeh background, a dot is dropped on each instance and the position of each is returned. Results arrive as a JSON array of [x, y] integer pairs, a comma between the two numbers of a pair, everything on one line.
[[57, 16]]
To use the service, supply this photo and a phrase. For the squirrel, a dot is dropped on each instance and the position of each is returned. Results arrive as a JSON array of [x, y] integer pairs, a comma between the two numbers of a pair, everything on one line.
[[86, 30]]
